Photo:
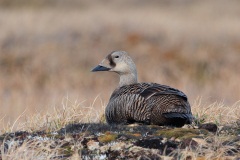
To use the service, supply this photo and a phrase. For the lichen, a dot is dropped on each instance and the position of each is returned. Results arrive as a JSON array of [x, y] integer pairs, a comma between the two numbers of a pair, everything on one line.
[[107, 137], [67, 150], [133, 135], [102, 119], [182, 133]]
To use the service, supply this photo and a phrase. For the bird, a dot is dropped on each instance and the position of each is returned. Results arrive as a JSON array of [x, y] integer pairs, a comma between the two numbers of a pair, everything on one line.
[[142, 103]]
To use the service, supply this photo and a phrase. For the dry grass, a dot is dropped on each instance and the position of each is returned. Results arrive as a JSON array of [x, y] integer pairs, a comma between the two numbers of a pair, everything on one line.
[[216, 112], [78, 112], [69, 112]]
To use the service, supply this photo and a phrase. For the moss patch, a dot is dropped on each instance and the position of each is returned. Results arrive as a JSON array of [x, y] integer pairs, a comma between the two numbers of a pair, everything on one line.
[[108, 137], [133, 135], [181, 133]]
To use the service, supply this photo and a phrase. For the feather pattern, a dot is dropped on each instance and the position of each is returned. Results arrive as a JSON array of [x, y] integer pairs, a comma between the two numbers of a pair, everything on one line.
[[148, 103]]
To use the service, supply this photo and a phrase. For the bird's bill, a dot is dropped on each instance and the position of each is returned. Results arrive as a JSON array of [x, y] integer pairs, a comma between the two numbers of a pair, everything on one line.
[[100, 68], [103, 66]]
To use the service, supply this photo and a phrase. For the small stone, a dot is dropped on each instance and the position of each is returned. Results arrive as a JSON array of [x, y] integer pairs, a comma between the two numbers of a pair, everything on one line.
[[150, 143], [92, 145], [178, 140], [238, 123], [123, 138], [104, 148], [135, 149], [211, 127], [118, 146], [164, 140], [128, 145], [173, 138], [133, 125]]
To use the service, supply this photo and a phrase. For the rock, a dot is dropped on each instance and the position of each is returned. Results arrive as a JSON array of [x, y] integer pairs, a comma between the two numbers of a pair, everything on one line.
[[135, 149], [156, 143], [118, 146], [238, 122], [150, 143], [104, 149], [211, 127], [92, 145]]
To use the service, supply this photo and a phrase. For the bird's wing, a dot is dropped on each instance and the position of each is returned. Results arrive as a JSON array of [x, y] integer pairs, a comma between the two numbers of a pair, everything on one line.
[[157, 89], [147, 90], [170, 102]]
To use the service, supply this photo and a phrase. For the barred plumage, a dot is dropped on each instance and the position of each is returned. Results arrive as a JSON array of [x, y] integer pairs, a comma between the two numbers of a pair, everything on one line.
[[148, 103]]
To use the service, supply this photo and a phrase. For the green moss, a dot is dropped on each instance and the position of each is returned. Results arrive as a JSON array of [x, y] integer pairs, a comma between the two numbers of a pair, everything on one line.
[[102, 118], [108, 137], [181, 133], [133, 135], [67, 150], [2, 137]]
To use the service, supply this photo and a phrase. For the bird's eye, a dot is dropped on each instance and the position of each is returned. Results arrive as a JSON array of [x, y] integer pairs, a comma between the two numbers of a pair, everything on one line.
[[116, 56]]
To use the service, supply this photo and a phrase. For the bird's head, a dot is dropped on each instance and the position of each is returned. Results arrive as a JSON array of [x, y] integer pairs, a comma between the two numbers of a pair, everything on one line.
[[117, 61]]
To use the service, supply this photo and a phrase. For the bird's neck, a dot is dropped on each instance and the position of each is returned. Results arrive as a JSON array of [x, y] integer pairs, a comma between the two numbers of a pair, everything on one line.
[[127, 79]]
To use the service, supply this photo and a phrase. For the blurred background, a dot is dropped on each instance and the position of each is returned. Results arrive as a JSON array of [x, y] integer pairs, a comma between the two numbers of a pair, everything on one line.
[[48, 47]]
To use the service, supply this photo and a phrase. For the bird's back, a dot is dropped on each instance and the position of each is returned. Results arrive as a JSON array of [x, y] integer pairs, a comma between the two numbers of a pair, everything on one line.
[[148, 103]]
